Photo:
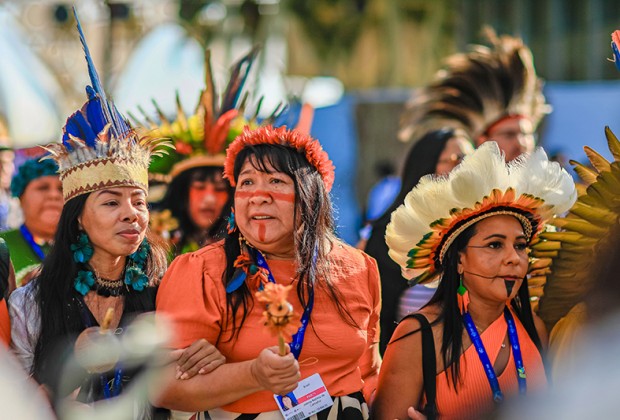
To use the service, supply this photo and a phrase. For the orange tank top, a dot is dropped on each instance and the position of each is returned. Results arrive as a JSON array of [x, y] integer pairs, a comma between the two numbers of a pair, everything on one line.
[[474, 396]]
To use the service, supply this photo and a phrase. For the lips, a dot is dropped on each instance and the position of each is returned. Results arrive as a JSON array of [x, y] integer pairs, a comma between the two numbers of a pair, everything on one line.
[[131, 234], [261, 217]]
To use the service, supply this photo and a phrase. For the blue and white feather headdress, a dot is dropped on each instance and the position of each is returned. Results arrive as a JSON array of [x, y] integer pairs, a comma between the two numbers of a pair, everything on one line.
[[99, 148]]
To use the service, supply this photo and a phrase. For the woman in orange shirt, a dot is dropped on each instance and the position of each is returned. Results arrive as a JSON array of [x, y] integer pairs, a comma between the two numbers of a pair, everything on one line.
[[283, 225], [477, 341]]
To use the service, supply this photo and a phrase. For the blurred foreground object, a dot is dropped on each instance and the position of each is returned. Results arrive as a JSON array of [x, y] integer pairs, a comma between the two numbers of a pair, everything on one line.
[[140, 347]]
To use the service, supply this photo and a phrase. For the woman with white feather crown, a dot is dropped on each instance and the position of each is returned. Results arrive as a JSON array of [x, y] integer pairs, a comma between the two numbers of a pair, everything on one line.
[[477, 341]]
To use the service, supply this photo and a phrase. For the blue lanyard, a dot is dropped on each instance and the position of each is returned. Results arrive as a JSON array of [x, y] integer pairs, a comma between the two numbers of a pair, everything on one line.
[[36, 248], [498, 396], [298, 339]]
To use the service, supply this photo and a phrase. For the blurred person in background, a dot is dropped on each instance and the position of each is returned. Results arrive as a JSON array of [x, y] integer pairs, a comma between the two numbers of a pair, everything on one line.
[[9, 208], [39, 190], [477, 341], [437, 152], [198, 198], [380, 196], [491, 93], [7, 285]]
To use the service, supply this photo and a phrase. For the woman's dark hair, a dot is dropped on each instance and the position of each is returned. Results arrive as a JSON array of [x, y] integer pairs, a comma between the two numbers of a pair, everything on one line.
[[177, 201], [56, 300], [421, 160], [450, 315], [314, 228]]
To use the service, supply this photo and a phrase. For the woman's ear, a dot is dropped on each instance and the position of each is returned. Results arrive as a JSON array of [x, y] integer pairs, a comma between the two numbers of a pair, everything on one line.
[[459, 264]]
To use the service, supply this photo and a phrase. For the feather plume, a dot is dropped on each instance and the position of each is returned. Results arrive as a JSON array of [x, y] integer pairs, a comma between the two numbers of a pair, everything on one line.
[[582, 230], [475, 89], [424, 226]]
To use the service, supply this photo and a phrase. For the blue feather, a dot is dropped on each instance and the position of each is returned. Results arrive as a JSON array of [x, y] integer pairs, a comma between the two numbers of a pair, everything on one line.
[[78, 127], [237, 280], [109, 113], [239, 75]]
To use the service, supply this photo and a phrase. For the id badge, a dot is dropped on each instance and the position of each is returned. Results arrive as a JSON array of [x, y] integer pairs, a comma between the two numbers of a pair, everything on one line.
[[307, 399]]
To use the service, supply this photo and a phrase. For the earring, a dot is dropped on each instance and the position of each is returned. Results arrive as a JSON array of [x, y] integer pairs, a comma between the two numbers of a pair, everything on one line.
[[461, 290], [231, 227], [82, 250], [134, 275]]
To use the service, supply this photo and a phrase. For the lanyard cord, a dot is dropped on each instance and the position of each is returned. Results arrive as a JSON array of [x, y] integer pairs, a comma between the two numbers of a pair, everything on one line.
[[298, 338], [36, 248], [476, 340]]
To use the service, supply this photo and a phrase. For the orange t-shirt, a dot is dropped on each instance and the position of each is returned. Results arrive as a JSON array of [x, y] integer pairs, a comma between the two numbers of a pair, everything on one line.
[[475, 397], [192, 293], [5, 323]]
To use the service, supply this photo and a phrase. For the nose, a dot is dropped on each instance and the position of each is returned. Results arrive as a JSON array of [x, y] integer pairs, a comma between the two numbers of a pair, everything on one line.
[[260, 197], [129, 213], [512, 256], [208, 197]]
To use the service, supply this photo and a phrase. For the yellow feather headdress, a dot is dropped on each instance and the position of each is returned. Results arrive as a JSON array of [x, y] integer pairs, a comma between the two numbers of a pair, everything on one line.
[[201, 139]]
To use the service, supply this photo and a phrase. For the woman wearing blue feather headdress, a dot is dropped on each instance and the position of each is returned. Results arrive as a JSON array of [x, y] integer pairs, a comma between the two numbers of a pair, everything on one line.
[[104, 267]]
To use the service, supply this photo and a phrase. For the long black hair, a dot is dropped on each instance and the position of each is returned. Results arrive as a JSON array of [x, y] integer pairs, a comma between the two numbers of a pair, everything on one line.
[[450, 315], [314, 229], [177, 201], [56, 300], [421, 160]]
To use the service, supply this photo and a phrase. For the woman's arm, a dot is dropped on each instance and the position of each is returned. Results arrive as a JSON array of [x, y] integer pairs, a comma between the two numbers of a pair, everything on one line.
[[400, 380], [541, 329], [231, 382], [370, 363], [25, 325]]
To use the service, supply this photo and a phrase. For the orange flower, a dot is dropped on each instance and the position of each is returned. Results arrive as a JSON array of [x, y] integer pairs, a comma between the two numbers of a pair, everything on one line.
[[279, 316]]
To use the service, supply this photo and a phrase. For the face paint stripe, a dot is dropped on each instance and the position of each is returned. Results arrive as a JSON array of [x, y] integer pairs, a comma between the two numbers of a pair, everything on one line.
[[289, 198], [261, 232]]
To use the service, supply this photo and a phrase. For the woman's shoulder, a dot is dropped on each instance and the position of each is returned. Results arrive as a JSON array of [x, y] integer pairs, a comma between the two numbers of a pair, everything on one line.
[[194, 268], [347, 254], [23, 295], [212, 255], [413, 323]]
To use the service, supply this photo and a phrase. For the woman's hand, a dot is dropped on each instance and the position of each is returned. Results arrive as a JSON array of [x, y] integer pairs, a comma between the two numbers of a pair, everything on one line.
[[278, 374], [415, 414], [200, 357]]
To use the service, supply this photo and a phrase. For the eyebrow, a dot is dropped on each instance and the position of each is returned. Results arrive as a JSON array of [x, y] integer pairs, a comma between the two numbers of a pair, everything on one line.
[[137, 191], [499, 235]]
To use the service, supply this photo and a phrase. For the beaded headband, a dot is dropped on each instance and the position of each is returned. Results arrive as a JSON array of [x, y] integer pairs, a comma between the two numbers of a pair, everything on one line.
[[294, 139]]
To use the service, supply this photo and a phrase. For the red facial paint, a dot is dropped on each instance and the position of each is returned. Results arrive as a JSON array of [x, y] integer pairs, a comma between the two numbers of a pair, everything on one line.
[[261, 232], [289, 198]]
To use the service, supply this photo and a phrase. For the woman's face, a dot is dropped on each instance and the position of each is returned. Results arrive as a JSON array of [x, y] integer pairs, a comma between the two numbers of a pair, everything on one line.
[[115, 220], [514, 136], [265, 210], [206, 201], [42, 204], [495, 260], [452, 154]]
